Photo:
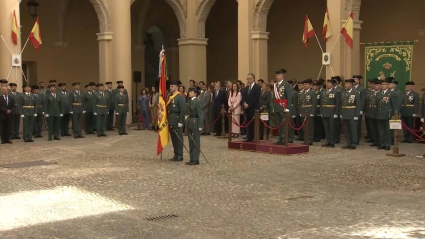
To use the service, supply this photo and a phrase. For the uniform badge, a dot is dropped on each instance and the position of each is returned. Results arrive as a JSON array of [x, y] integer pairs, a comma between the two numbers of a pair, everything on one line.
[[318, 97], [308, 97], [351, 99], [174, 105], [410, 97], [331, 96], [386, 99]]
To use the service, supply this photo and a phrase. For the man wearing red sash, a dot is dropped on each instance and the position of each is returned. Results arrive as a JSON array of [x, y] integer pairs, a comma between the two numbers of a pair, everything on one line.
[[282, 104], [176, 106]]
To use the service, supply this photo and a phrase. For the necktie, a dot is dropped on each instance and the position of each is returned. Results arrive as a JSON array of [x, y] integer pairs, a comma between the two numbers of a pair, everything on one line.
[[250, 88], [5, 99], [54, 95]]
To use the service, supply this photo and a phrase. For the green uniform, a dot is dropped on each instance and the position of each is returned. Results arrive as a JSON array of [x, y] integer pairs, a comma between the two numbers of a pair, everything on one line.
[[38, 120], [285, 93], [121, 108], [90, 122], [338, 121], [265, 104], [409, 110], [363, 96], [371, 113], [100, 110], [66, 111], [53, 110], [308, 110], [296, 109], [398, 98], [387, 102], [28, 104], [330, 106], [176, 111], [78, 109], [319, 130], [194, 126], [111, 103], [350, 111], [16, 115]]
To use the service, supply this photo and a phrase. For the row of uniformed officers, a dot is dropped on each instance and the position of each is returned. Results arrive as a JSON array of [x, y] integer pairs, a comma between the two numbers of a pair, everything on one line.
[[58, 106]]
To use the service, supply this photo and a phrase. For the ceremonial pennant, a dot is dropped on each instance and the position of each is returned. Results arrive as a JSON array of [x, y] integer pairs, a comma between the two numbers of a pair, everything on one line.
[[15, 29], [327, 30], [347, 31], [35, 35], [163, 129], [308, 31]]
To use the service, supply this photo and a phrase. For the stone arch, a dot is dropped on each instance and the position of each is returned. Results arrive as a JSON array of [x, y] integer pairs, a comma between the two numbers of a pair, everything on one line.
[[261, 10], [102, 9], [179, 7], [202, 11]]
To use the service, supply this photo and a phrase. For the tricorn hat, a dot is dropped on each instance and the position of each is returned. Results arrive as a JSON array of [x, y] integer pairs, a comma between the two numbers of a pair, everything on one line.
[[358, 77], [349, 80], [52, 81], [120, 82], [195, 89], [12, 84], [52, 85], [333, 81], [35, 87], [120, 87], [99, 85], [308, 81], [337, 78], [3, 81], [75, 83], [175, 82], [109, 83], [281, 71], [410, 83]]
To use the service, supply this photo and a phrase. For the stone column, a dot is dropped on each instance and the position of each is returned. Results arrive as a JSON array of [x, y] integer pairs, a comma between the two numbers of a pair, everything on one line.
[[334, 45], [245, 47], [193, 59], [352, 56], [121, 46], [6, 11], [105, 56], [259, 42], [173, 62]]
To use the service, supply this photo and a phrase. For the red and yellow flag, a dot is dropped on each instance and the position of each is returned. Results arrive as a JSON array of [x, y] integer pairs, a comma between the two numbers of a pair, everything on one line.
[[327, 30], [308, 30], [347, 31], [35, 35], [163, 129], [15, 29]]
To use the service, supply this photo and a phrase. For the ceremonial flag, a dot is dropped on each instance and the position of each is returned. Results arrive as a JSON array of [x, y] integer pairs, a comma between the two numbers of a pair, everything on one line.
[[15, 29], [326, 33], [163, 129], [35, 36], [308, 30], [347, 31]]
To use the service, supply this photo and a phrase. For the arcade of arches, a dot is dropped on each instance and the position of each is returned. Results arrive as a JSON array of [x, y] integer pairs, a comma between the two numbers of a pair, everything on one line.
[[109, 40]]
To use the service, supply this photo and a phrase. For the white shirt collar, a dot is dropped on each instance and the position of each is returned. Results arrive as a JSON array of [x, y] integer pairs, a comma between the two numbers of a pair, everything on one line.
[[252, 85], [385, 91], [408, 92], [193, 98], [350, 90], [280, 82]]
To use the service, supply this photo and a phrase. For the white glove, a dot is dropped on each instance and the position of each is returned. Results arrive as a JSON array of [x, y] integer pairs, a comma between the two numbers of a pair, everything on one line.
[[127, 113], [108, 113], [300, 115], [361, 112], [84, 112], [414, 115], [311, 115], [286, 110], [43, 113], [61, 115], [320, 115], [179, 125], [35, 115], [46, 115], [200, 129], [22, 116], [340, 116], [422, 120], [71, 112], [94, 113], [185, 117], [117, 113], [294, 116], [356, 118], [335, 116]]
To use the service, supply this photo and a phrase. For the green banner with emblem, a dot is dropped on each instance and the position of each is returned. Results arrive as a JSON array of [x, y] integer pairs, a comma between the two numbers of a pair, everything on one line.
[[389, 59]]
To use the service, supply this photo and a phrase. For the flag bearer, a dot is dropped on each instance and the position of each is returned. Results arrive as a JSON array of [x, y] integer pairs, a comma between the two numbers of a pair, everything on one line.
[[386, 104], [194, 124], [350, 111], [78, 110], [330, 109], [176, 103], [38, 120], [28, 104], [121, 108], [100, 110], [308, 108], [409, 110]]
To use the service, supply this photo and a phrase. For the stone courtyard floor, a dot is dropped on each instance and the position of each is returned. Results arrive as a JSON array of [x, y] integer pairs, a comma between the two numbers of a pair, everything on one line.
[[116, 187]]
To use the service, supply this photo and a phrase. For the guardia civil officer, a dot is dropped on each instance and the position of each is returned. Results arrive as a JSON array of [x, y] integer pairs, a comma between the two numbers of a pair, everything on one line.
[[121, 108], [100, 110], [176, 110], [17, 112], [53, 111], [387, 103], [308, 108], [194, 124], [350, 112], [78, 110], [338, 121], [363, 94], [282, 95], [66, 110], [38, 120], [372, 110], [330, 109], [28, 105], [409, 110]]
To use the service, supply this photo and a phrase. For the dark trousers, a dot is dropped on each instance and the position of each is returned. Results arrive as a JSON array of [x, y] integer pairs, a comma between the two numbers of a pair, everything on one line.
[[373, 134], [28, 123], [250, 129], [176, 137], [384, 133], [194, 142], [300, 121], [110, 120], [38, 125], [359, 129], [77, 118], [368, 129], [310, 122], [90, 123], [64, 124], [5, 128], [54, 126], [409, 122], [329, 125], [16, 122], [337, 130], [318, 128], [100, 124], [280, 117], [122, 118], [350, 132]]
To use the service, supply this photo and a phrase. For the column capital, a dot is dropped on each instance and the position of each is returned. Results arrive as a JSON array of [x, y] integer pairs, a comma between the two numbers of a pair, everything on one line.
[[193, 41], [260, 35], [357, 25], [105, 36]]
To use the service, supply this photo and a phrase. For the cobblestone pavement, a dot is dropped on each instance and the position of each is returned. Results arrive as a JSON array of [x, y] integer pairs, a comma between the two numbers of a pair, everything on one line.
[[110, 187]]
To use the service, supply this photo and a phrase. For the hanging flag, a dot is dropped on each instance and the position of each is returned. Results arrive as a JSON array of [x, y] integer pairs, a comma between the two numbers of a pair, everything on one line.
[[35, 36], [326, 33], [163, 129], [308, 30], [347, 31], [15, 29]]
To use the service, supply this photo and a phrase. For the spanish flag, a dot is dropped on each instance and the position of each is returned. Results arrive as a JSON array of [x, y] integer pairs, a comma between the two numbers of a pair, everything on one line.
[[347, 31], [15, 29], [327, 30], [163, 129], [35, 36], [308, 30]]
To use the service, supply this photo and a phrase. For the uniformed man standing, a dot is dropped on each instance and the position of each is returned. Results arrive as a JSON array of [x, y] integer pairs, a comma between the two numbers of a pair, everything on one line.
[[369, 92], [111, 103], [176, 105], [28, 105], [16, 114], [38, 120], [398, 98], [282, 96], [194, 124], [89, 98], [120, 83], [372, 110], [386, 104], [330, 109], [409, 110], [363, 94], [77, 109], [122, 109], [100, 110], [318, 123], [66, 110], [350, 112], [53, 112], [308, 108], [338, 121], [297, 105]]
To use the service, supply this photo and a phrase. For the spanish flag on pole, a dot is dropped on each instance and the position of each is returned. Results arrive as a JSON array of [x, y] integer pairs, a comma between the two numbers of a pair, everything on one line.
[[327, 30], [163, 129], [347, 31], [15, 29], [35, 35], [308, 31]]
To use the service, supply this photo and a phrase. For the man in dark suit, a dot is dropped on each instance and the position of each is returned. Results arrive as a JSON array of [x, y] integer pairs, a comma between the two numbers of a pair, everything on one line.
[[219, 99], [251, 103], [7, 104]]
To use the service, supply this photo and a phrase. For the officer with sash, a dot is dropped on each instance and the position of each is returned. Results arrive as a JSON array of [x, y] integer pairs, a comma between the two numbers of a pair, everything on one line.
[[53, 111], [28, 105], [350, 112], [282, 104], [100, 110], [194, 124], [387, 102], [409, 110], [371, 111], [38, 120], [121, 108], [176, 106], [78, 110], [330, 109], [363, 94], [308, 108]]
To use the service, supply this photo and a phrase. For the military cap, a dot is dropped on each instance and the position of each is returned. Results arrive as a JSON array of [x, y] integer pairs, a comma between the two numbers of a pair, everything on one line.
[[92, 83], [175, 82], [3, 81], [26, 85], [308, 81], [120, 87], [377, 81], [52, 81], [386, 80], [395, 82], [98, 85], [52, 85], [337, 78], [35, 87], [12, 84], [109, 83], [371, 80], [358, 76], [333, 81], [349, 80], [61, 84], [317, 83], [120, 82], [281, 71], [410, 83], [75, 83], [195, 89], [87, 86]]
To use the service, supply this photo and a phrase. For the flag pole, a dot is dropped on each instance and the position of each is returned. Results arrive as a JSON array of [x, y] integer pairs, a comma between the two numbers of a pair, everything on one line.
[[9, 72], [319, 43], [23, 74], [320, 72], [25, 45], [335, 42]]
